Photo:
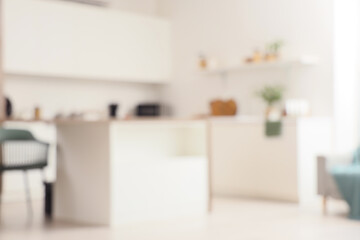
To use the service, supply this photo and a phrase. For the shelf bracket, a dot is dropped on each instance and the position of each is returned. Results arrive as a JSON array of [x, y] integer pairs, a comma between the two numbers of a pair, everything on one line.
[[225, 82]]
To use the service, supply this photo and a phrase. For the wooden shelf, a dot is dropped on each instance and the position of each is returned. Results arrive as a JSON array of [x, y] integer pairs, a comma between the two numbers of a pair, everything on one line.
[[262, 66], [41, 76]]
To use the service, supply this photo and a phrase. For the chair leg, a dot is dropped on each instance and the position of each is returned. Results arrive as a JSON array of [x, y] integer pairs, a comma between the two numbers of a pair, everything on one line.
[[28, 195], [324, 205], [1, 192]]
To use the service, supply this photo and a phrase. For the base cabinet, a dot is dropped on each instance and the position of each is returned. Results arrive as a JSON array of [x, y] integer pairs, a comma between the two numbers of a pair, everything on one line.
[[247, 163], [116, 173]]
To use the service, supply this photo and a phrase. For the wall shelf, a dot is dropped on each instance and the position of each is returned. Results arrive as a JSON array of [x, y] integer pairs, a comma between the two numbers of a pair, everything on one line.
[[40, 76], [309, 61]]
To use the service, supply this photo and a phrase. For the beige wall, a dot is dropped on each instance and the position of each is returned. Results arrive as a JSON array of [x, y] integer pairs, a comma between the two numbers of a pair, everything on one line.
[[2, 115], [68, 96], [148, 7], [230, 30]]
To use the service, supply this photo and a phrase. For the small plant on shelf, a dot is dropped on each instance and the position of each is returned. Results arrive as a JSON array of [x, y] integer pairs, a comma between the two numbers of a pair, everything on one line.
[[273, 50]]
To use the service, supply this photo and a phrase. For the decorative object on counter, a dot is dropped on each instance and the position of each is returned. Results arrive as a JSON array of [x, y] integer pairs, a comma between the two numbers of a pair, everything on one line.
[[75, 116], [86, 115], [148, 110], [8, 107], [113, 107], [272, 95], [273, 50], [59, 116], [93, 115], [202, 61], [297, 107], [223, 107], [37, 113]]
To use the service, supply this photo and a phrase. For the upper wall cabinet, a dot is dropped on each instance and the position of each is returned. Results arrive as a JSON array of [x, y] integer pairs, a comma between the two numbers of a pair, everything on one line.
[[69, 40]]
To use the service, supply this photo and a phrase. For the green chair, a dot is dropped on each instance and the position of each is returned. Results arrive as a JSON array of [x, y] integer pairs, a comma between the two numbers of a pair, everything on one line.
[[19, 150]]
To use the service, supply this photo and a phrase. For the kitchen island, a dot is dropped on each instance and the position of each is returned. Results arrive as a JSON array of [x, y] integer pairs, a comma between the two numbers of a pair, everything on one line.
[[114, 172]]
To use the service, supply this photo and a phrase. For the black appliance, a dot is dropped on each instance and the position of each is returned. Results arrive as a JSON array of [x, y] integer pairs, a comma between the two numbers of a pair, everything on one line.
[[8, 107], [148, 110], [113, 110]]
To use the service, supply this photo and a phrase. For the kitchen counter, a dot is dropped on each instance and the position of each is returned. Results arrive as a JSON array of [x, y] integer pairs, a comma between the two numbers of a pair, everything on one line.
[[258, 119], [220, 119], [114, 172], [123, 120], [239, 152]]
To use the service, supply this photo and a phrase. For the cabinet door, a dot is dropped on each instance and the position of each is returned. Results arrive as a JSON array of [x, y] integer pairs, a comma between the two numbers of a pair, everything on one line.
[[61, 39], [247, 163]]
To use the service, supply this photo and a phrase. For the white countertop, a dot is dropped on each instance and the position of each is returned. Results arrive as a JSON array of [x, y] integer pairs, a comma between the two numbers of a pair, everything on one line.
[[242, 119], [258, 119]]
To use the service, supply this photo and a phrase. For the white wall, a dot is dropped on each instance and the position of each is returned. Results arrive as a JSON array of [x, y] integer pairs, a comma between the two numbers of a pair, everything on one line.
[[230, 30], [346, 74], [148, 7], [67, 96]]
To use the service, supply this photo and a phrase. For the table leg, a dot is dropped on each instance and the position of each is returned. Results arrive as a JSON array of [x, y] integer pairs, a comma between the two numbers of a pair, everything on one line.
[[1, 190], [1, 183], [1, 176]]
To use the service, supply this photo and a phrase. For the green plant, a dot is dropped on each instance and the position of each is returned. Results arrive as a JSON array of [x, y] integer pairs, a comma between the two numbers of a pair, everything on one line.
[[274, 47], [271, 94]]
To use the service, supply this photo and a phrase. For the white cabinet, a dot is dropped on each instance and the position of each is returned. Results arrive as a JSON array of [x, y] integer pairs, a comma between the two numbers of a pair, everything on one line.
[[69, 40], [122, 172], [246, 163]]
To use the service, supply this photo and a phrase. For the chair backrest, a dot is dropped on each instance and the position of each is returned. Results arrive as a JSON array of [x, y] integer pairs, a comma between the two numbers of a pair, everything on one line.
[[21, 151], [15, 134]]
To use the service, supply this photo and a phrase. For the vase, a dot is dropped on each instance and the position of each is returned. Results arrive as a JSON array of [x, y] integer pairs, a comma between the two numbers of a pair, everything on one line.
[[272, 113], [268, 111]]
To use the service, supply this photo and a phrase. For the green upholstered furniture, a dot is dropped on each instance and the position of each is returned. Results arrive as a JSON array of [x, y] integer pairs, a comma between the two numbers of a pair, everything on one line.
[[19, 150]]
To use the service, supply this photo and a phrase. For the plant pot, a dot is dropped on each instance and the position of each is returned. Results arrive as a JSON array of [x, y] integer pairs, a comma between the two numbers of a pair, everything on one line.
[[273, 129]]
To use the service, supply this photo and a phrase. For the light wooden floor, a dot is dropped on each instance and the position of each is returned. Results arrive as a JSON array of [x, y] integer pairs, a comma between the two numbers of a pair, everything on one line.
[[231, 219]]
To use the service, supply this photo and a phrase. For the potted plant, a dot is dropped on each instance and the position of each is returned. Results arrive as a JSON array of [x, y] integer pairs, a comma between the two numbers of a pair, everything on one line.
[[273, 50], [271, 95]]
